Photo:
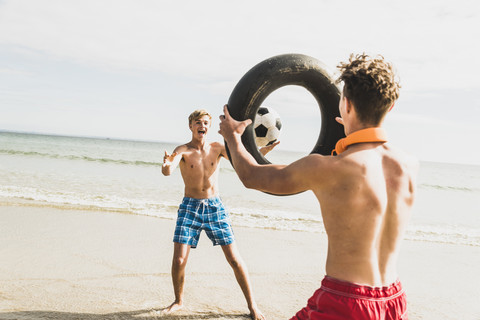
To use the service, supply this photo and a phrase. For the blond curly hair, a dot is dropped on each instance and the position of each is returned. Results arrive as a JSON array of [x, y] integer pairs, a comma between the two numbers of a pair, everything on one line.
[[370, 84]]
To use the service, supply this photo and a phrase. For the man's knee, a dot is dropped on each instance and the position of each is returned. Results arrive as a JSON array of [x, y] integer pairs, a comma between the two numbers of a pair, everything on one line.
[[235, 262], [179, 262], [180, 256]]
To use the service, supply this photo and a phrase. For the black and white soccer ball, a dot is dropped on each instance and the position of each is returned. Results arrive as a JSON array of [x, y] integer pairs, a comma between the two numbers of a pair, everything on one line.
[[267, 126]]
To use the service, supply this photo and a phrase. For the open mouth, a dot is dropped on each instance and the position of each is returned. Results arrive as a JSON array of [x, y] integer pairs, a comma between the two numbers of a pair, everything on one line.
[[202, 131]]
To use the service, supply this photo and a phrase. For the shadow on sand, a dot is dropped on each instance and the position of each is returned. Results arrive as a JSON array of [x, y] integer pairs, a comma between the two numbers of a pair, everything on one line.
[[128, 315]]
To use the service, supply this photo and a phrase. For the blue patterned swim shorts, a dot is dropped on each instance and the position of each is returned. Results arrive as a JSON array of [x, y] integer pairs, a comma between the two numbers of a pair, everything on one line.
[[195, 215]]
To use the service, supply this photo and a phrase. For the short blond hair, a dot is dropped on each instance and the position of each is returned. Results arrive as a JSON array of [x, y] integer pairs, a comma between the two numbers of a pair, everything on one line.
[[197, 114]]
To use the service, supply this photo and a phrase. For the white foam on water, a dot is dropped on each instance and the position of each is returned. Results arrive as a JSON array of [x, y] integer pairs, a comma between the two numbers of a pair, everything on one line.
[[125, 176]]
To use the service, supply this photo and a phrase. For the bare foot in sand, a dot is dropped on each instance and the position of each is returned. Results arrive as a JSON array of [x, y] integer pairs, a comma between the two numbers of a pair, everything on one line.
[[175, 306], [256, 314]]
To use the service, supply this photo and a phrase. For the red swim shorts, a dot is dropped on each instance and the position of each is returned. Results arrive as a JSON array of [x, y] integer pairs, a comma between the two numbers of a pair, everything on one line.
[[338, 299]]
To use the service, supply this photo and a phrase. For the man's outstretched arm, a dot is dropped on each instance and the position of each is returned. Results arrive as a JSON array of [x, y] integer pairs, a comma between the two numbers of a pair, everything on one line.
[[170, 162], [272, 178]]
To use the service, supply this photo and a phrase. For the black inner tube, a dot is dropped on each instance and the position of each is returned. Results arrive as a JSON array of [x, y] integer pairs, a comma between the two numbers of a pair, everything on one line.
[[279, 71]]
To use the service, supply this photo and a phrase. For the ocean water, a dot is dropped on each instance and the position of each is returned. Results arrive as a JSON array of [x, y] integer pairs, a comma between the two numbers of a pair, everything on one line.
[[125, 177]]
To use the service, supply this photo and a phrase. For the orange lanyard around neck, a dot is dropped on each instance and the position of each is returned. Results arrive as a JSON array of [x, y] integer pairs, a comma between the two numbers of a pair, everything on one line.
[[365, 135]]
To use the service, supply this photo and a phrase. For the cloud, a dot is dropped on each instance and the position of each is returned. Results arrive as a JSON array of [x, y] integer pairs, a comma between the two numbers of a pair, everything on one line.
[[415, 119], [433, 139], [14, 71], [218, 39], [117, 55]]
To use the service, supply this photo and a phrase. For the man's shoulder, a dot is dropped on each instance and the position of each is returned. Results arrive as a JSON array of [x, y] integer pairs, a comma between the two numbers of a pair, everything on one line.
[[403, 157], [216, 144], [181, 148], [217, 147], [316, 172], [317, 163]]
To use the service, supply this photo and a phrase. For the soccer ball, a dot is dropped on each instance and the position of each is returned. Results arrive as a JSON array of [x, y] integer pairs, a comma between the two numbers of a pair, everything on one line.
[[267, 126]]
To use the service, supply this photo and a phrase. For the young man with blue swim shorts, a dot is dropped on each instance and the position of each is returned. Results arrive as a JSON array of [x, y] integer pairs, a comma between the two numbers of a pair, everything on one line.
[[202, 209], [365, 189]]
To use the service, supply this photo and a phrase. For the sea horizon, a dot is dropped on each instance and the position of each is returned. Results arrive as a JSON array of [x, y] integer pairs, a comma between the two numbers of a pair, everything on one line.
[[119, 175], [40, 133]]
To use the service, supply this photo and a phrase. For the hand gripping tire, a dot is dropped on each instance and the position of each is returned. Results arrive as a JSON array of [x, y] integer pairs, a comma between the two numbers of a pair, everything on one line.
[[276, 72]]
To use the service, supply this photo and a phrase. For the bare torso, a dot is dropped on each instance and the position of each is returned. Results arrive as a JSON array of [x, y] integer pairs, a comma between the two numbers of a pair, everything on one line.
[[365, 207], [199, 168]]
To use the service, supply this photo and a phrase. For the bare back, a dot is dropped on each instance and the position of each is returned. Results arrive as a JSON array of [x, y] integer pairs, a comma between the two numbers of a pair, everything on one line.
[[366, 202], [199, 168]]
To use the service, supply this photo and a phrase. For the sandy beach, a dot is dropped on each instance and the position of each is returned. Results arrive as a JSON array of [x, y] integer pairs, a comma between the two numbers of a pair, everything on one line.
[[74, 264]]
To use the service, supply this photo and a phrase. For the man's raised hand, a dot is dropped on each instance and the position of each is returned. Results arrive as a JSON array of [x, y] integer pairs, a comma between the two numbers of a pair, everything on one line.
[[230, 127], [168, 158]]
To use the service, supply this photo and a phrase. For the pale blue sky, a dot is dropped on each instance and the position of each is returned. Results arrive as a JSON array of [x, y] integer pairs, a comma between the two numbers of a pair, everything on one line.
[[136, 69]]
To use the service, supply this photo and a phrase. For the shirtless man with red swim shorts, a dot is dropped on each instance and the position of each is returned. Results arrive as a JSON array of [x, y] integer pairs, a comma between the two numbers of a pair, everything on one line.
[[366, 190]]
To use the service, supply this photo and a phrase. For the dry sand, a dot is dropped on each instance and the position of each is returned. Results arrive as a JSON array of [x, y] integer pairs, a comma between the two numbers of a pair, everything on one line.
[[71, 264]]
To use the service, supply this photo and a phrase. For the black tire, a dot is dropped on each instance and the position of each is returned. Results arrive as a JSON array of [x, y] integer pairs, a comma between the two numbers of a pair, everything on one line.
[[276, 72]]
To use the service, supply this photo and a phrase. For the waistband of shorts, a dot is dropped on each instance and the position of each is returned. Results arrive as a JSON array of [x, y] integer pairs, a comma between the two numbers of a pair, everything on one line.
[[214, 199], [358, 291]]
